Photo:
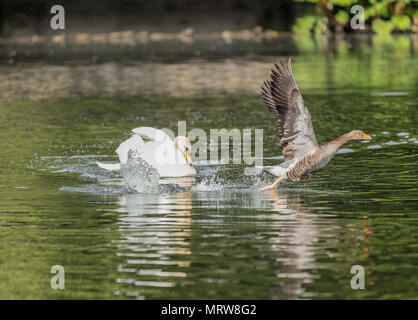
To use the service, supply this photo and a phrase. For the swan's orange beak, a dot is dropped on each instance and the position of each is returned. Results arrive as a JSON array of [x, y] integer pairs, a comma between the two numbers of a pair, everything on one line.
[[188, 157], [366, 137]]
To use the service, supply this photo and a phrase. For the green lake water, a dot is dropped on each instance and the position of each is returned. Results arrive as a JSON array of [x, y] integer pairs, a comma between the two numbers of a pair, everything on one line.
[[223, 238]]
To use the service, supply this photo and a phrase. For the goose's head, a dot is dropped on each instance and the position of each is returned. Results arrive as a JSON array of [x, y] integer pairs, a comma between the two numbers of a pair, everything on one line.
[[359, 135], [185, 147]]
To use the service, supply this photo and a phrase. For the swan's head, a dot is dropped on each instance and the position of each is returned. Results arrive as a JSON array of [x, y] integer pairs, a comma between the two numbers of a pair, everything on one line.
[[183, 144]]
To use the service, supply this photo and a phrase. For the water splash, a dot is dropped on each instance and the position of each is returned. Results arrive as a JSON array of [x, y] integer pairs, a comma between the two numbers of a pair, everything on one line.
[[84, 165], [211, 183], [138, 175], [232, 180]]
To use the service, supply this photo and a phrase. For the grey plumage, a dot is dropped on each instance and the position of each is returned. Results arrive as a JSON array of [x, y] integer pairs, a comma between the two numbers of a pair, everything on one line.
[[283, 98], [301, 151]]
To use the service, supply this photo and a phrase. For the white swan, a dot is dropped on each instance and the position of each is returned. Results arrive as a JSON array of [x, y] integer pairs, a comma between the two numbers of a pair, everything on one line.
[[171, 158]]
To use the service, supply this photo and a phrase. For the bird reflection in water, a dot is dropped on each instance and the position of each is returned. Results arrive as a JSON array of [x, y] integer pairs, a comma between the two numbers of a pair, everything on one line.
[[160, 239], [155, 231], [295, 242]]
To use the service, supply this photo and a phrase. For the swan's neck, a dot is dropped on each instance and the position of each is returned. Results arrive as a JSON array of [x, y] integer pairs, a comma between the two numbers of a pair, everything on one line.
[[180, 156]]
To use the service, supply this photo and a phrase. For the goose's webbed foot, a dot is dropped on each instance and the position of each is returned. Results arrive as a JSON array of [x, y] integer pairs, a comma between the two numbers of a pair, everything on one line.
[[271, 187]]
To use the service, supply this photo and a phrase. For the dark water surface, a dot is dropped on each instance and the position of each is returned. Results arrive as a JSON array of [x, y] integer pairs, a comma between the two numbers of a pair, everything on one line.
[[222, 238]]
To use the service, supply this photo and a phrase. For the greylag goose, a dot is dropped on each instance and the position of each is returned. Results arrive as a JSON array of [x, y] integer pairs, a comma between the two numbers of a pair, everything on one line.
[[301, 151]]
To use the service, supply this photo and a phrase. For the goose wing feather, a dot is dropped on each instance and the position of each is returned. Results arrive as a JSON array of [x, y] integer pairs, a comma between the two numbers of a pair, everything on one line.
[[283, 98]]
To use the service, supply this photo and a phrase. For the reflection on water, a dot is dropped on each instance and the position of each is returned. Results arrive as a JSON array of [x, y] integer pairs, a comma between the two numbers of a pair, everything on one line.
[[240, 68], [153, 229], [295, 244], [159, 235], [206, 240], [191, 78]]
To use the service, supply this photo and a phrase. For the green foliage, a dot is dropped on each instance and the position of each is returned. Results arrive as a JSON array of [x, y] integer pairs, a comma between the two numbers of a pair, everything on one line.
[[382, 27], [401, 22], [342, 17], [385, 16], [381, 8], [305, 24], [369, 13], [343, 3]]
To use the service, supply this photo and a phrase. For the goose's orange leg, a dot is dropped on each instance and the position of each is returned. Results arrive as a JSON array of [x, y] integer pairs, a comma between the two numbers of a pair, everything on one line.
[[275, 183]]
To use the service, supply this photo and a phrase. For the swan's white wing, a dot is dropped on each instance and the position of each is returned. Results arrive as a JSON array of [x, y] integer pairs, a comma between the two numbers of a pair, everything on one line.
[[158, 150], [134, 143], [148, 133], [162, 153]]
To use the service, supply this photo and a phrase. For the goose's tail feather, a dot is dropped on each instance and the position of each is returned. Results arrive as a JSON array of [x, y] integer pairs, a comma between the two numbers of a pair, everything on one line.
[[274, 170], [265, 168], [109, 166]]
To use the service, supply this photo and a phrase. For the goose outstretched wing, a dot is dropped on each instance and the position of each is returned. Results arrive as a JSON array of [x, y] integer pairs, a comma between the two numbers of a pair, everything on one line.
[[283, 98]]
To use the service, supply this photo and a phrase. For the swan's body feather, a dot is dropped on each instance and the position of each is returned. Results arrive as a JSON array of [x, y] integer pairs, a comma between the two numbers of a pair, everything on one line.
[[157, 149]]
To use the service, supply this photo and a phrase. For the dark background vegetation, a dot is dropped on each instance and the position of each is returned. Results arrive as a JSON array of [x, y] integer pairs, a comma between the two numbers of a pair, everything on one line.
[[26, 17], [162, 14]]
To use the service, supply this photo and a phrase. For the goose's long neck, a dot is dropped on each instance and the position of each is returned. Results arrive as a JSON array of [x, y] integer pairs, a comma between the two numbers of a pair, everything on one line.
[[336, 144]]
